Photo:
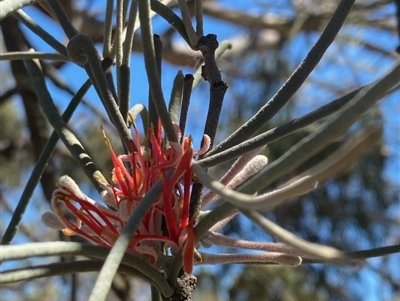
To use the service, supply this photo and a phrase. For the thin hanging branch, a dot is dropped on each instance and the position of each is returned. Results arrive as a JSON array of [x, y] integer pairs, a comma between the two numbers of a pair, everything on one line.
[[63, 131], [30, 55], [40, 32], [39, 169], [124, 76], [364, 254]]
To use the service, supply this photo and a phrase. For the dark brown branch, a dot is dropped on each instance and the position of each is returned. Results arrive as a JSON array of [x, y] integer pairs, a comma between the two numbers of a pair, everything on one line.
[[210, 72]]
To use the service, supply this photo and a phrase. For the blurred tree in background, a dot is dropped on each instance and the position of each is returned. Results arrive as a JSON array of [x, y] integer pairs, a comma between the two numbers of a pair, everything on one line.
[[358, 210]]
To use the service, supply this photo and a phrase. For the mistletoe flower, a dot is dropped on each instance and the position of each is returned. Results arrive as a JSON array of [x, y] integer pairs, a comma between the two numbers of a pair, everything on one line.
[[165, 225]]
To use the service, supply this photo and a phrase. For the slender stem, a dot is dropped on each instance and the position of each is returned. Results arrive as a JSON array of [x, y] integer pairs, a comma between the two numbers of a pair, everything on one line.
[[152, 72], [130, 33], [119, 39], [176, 269], [188, 23], [107, 43], [166, 13], [29, 55], [40, 167], [294, 82], [40, 32], [158, 8], [124, 90], [175, 102], [153, 115], [62, 17], [375, 252], [187, 92], [124, 71], [199, 17], [107, 64]]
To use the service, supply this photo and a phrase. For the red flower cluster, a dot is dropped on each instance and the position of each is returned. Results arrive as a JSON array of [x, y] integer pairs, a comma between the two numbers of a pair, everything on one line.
[[165, 225]]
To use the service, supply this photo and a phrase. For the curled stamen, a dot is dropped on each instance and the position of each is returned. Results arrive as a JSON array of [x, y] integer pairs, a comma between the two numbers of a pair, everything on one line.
[[205, 146]]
